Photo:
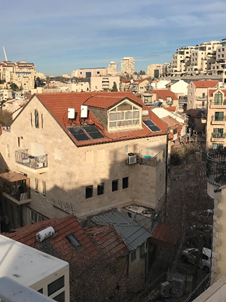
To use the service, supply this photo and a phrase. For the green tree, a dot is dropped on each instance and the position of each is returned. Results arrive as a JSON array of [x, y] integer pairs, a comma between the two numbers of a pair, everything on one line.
[[14, 87], [114, 87]]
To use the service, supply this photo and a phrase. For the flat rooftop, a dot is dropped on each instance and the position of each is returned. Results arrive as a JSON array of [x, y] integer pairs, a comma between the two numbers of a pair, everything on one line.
[[25, 264]]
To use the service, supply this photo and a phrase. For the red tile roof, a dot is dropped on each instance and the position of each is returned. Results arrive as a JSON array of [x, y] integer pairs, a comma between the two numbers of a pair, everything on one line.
[[205, 84], [57, 104], [107, 241], [165, 234], [58, 245], [163, 94], [211, 92], [171, 108]]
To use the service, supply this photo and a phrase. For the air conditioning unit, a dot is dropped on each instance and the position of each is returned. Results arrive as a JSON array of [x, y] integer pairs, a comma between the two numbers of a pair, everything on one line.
[[132, 159]]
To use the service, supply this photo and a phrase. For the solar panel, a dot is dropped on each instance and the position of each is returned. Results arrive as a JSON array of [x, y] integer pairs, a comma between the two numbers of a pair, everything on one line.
[[78, 133], [93, 132], [151, 126]]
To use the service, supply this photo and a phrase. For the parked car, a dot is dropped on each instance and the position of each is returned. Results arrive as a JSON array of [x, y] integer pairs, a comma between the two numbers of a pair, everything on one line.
[[190, 255]]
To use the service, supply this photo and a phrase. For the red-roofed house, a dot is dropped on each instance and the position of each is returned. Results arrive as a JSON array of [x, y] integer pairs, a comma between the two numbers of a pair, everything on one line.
[[97, 257], [167, 97], [135, 86], [197, 93], [83, 154]]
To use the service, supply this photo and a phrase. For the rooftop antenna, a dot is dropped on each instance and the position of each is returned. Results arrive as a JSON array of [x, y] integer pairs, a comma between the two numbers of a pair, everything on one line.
[[5, 54]]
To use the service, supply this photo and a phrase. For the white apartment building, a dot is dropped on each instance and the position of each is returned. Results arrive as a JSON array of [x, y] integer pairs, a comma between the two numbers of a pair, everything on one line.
[[104, 83], [128, 65], [21, 73], [113, 66]]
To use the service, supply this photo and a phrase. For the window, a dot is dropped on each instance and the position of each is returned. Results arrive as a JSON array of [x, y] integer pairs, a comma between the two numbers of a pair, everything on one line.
[[43, 187], [42, 120], [115, 185], [31, 120], [7, 151], [126, 149], [55, 285], [218, 98], [133, 256], [36, 217], [60, 297], [219, 116], [125, 182], [100, 189], [36, 184], [36, 119], [217, 146], [218, 133], [89, 191], [124, 115], [40, 290], [18, 141]]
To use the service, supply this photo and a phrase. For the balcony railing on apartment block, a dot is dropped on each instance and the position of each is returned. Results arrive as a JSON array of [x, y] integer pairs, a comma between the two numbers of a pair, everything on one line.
[[151, 161], [216, 166], [218, 119], [218, 103], [218, 135], [34, 162]]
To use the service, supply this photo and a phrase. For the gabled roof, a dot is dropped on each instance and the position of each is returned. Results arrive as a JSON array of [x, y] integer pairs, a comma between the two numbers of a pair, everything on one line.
[[58, 245], [57, 104], [211, 91], [163, 94], [205, 84], [131, 232]]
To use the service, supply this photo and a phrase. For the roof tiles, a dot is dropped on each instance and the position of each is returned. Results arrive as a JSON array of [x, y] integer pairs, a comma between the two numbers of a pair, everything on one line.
[[205, 84], [57, 104]]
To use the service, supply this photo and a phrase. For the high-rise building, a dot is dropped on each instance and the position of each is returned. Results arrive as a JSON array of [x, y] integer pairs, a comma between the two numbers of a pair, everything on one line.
[[128, 65], [113, 66]]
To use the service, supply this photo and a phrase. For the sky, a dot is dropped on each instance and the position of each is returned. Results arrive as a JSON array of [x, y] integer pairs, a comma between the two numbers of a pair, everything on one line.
[[59, 36]]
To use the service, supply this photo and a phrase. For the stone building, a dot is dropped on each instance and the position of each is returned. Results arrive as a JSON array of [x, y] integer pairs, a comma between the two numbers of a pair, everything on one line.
[[81, 153]]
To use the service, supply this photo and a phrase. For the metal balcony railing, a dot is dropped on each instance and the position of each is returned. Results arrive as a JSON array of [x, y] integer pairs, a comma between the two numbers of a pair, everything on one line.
[[218, 119], [216, 166], [151, 161], [34, 162], [218, 135]]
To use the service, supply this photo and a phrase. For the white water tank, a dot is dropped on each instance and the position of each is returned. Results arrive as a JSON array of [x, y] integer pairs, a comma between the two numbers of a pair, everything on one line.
[[84, 111], [44, 234], [71, 113]]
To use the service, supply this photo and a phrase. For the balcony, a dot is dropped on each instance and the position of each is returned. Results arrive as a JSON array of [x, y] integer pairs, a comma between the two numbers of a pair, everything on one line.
[[216, 167], [151, 161], [218, 105], [34, 162], [218, 120], [216, 137], [15, 187]]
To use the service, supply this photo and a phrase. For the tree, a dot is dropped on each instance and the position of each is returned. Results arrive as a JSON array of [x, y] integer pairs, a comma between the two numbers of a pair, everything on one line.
[[14, 87], [5, 118], [114, 87]]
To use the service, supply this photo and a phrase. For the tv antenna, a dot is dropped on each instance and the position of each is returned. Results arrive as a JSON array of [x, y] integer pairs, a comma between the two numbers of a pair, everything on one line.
[[5, 54]]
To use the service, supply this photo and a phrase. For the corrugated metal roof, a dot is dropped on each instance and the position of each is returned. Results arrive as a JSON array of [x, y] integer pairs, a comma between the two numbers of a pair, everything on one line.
[[131, 232]]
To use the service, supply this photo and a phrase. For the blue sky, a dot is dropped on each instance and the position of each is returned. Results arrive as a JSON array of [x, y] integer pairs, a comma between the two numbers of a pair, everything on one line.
[[61, 36]]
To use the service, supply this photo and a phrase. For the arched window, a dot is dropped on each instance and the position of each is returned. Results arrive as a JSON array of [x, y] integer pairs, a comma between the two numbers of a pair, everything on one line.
[[218, 98], [36, 119]]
